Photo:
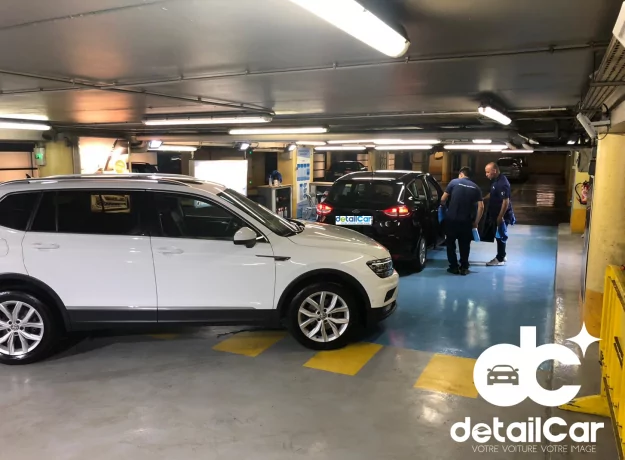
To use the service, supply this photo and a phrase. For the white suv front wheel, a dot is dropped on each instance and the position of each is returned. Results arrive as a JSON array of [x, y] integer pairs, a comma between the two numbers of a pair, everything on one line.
[[27, 328], [323, 316]]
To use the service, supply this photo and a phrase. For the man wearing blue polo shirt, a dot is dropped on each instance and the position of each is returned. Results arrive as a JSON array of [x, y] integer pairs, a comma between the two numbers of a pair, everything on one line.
[[499, 210], [463, 215]]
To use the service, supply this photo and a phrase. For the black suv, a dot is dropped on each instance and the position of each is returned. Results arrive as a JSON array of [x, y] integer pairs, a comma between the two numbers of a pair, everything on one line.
[[340, 168], [398, 209]]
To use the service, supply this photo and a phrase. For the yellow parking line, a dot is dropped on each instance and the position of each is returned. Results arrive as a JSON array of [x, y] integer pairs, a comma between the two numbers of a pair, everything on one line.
[[449, 374], [251, 343], [347, 361]]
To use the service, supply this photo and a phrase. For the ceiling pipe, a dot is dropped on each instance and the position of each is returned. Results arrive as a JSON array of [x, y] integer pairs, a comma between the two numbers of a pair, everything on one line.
[[336, 66], [84, 85]]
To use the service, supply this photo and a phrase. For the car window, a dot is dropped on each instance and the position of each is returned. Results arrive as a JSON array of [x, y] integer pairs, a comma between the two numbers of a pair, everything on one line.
[[15, 210], [434, 192], [417, 189], [98, 212], [181, 216], [89, 212], [352, 193], [45, 219]]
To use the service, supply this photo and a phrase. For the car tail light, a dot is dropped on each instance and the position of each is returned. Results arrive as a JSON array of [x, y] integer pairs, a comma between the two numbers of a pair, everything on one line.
[[323, 209], [397, 211]]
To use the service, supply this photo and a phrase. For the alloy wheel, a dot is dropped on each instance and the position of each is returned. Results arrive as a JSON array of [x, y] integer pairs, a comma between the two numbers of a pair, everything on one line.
[[422, 251], [323, 316], [21, 328]]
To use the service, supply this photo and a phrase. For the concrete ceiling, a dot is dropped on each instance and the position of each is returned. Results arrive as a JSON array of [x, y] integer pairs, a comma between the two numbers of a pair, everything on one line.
[[102, 65]]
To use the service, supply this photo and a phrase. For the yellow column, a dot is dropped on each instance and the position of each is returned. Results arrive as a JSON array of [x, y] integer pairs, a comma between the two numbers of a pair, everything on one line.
[[578, 210], [59, 160], [607, 238], [447, 166]]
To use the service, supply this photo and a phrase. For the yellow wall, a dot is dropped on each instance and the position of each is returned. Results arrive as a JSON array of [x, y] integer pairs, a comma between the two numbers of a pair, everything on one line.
[[59, 160], [607, 238], [578, 210]]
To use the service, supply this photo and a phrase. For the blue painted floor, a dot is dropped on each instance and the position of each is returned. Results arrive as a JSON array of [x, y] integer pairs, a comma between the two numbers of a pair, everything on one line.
[[463, 315]]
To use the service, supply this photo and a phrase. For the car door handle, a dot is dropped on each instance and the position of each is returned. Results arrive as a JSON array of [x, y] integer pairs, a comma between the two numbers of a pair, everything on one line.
[[45, 246], [169, 251]]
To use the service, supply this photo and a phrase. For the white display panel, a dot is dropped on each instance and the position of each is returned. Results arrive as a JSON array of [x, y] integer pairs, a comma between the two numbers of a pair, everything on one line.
[[231, 173]]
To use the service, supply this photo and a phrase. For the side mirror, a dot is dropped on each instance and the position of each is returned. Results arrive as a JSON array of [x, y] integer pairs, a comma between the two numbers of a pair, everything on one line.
[[245, 237]]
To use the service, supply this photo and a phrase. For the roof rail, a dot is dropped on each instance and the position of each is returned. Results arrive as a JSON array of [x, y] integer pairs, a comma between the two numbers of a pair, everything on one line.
[[171, 179]]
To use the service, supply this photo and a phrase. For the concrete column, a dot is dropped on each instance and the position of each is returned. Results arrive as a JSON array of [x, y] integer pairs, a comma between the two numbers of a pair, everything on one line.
[[607, 238], [447, 167], [59, 159], [578, 210]]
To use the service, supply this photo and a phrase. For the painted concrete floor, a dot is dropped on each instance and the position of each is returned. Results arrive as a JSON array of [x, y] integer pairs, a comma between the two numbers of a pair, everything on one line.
[[212, 393]]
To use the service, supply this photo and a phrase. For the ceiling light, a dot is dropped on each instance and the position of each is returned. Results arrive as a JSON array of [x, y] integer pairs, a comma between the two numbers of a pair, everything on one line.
[[16, 125], [404, 147], [205, 120], [155, 144], [24, 116], [303, 130], [353, 148], [493, 114], [493, 147], [175, 148], [292, 147], [512, 151], [570, 143], [351, 17], [409, 142], [482, 141], [244, 146], [352, 141], [310, 143]]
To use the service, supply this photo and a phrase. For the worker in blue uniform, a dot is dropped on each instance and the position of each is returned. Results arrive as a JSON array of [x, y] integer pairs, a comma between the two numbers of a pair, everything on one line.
[[499, 211], [464, 211]]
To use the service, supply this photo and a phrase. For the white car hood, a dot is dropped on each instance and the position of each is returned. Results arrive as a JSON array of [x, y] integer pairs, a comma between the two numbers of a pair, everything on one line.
[[331, 236]]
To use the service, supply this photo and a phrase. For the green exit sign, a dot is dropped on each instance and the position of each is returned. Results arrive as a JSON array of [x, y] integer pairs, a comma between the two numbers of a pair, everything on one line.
[[38, 156]]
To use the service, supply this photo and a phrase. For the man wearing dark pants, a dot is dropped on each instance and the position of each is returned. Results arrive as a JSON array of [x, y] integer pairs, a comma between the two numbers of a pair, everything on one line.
[[499, 210], [463, 215]]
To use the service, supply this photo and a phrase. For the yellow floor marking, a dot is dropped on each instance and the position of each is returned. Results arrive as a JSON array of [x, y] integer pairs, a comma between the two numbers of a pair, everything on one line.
[[449, 374], [250, 343], [164, 336], [348, 360]]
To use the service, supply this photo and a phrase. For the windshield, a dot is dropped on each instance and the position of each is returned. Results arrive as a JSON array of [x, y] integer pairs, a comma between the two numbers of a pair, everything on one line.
[[506, 162], [272, 221], [364, 193]]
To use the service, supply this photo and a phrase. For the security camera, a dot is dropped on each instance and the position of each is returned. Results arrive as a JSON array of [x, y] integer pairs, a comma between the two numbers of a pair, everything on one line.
[[587, 125]]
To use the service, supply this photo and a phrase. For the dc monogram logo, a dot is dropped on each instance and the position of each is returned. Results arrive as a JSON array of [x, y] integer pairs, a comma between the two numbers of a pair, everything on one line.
[[505, 375]]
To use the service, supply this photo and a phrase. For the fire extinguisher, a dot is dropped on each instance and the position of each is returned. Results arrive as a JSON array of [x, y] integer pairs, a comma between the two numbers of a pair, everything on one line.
[[585, 187]]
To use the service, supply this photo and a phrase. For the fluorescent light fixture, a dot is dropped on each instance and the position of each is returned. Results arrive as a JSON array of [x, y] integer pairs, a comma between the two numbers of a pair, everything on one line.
[[482, 141], [570, 143], [24, 116], [353, 141], [493, 147], [513, 151], [244, 146], [493, 114], [31, 126], [168, 121], [409, 142], [404, 147], [303, 130], [310, 143], [353, 148], [155, 144], [351, 17], [175, 148]]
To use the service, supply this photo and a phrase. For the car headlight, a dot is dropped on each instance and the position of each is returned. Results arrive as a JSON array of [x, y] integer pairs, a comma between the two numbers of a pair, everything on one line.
[[381, 267]]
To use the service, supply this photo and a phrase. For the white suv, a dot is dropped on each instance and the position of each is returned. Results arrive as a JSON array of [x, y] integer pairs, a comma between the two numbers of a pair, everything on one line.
[[87, 252]]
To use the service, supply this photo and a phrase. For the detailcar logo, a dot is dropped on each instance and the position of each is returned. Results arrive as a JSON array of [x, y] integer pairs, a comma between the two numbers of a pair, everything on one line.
[[354, 220], [505, 375]]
